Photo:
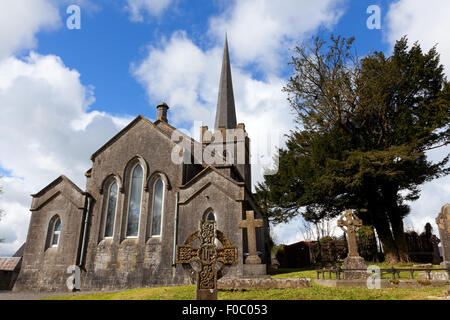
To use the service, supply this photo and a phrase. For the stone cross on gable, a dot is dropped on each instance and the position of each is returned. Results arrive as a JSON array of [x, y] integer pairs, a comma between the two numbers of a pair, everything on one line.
[[250, 223], [350, 223], [206, 256]]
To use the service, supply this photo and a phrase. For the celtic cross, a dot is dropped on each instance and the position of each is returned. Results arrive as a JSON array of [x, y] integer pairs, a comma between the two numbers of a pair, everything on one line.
[[207, 256], [350, 223]]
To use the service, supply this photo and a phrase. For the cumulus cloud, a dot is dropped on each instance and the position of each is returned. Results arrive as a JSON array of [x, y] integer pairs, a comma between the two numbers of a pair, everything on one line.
[[140, 8], [423, 21], [47, 129], [20, 20], [263, 29]]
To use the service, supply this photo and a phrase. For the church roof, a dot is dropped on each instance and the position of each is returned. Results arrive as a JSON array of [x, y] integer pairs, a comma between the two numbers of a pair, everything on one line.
[[9, 264], [56, 182], [226, 112]]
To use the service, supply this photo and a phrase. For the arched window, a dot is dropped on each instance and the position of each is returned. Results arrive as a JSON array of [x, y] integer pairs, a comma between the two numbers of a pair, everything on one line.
[[111, 206], [158, 204], [134, 201], [56, 232], [211, 217]]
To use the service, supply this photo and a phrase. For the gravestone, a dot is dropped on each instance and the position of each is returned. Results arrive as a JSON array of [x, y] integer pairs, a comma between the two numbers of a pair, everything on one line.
[[443, 222], [350, 224], [253, 266], [206, 257], [436, 254]]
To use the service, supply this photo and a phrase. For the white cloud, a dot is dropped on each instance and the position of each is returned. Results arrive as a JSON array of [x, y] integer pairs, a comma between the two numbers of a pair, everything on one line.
[[263, 30], [20, 20], [47, 130], [423, 21], [139, 8]]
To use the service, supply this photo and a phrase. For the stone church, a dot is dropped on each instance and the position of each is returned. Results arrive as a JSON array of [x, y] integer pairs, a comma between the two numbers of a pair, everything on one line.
[[138, 205]]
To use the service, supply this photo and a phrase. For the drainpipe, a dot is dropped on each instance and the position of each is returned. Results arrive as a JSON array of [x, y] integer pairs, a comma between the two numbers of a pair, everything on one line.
[[175, 233], [86, 223]]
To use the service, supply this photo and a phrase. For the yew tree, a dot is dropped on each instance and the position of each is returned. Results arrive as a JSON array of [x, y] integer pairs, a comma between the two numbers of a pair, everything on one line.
[[364, 126]]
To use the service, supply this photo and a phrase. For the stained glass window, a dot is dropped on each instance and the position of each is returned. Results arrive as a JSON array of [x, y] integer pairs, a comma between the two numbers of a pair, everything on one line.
[[111, 210], [158, 194], [134, 203]]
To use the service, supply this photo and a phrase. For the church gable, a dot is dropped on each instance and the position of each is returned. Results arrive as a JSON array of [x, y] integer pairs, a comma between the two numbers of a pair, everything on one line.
[[61, 186], [140, 124], [212, 177]]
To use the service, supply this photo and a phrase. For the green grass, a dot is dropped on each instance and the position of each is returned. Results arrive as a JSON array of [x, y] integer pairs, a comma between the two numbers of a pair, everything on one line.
[[310, 272], [315, 292]]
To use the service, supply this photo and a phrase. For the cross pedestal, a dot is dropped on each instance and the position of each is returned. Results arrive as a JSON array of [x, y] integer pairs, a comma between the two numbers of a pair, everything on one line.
[[350, 223], [206, 257]]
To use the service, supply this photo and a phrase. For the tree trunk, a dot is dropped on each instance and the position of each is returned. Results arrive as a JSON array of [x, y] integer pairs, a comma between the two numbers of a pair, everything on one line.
[[387, 240], [399, 236]]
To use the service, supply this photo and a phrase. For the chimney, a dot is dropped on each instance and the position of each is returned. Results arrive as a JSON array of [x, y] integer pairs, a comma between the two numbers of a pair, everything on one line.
[[162, 112]]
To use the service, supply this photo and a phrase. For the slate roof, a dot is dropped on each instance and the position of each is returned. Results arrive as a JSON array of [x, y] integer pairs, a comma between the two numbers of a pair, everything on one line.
[[9, 264]]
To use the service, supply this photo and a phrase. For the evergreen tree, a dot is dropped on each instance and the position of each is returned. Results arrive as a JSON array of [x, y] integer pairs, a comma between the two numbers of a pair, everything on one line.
[[364, 126]]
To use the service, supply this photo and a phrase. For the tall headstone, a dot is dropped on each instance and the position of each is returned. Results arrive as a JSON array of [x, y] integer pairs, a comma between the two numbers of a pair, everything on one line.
[[443, 222], [350, 224], [206, 257], [253, 266]]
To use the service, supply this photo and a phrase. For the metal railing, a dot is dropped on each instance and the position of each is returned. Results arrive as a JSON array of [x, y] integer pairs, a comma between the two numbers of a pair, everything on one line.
[[394, 271]]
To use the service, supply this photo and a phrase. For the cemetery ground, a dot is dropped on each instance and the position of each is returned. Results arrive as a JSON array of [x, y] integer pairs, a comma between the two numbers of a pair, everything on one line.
[[315, 292]]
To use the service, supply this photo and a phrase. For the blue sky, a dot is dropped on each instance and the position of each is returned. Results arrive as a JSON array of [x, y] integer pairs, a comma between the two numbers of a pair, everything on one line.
[[63, 92]]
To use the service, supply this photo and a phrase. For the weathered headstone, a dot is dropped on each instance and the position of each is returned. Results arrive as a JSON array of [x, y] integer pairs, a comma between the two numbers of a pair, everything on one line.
[[207, 256], [443, 222], [253, 266], [251, 224], [350, 224], [436, 254]]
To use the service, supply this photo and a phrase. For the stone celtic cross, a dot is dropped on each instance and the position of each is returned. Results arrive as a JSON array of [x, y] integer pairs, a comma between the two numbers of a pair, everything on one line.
[[206, 256], [443, 222], [250, 223], [350, 223]]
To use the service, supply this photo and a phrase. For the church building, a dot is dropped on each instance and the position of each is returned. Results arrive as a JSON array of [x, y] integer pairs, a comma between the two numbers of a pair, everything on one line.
[[138, 204]]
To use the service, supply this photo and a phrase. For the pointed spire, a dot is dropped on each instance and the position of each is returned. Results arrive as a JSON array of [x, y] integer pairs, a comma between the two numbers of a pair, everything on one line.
[[226, 112]]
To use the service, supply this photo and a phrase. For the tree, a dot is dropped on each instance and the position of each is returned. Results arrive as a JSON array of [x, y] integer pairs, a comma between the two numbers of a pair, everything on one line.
[[363, 129]]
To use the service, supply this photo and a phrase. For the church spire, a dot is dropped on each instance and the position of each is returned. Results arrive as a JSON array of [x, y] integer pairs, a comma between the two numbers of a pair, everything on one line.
[[226, 112]]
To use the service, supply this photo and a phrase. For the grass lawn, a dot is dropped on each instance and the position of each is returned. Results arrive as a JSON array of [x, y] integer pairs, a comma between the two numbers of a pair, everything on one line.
[[315, 292]]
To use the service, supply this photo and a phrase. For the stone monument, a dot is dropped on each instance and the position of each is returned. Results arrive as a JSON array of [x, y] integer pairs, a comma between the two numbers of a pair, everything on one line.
[[443, 222], [350, 223], [253, 266], [206, 257]]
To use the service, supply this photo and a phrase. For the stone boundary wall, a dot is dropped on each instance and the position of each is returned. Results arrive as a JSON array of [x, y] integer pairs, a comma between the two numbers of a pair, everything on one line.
[[263, 283]]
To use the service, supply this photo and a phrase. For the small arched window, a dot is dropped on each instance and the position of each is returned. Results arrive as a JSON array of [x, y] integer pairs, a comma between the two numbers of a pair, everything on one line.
[[158, 204], [211, 217], [111, 206], [56, 232], [134, 202]]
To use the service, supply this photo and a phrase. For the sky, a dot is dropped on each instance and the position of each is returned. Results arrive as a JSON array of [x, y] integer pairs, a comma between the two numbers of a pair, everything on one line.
[[65, 91]]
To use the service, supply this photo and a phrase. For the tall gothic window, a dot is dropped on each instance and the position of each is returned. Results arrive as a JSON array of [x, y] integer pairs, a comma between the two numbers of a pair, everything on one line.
[[134, 202], [111, 210], [157, 212], [56, 232]]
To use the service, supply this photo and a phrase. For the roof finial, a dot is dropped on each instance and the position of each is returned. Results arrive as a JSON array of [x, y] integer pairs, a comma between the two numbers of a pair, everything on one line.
[[226, 112]]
